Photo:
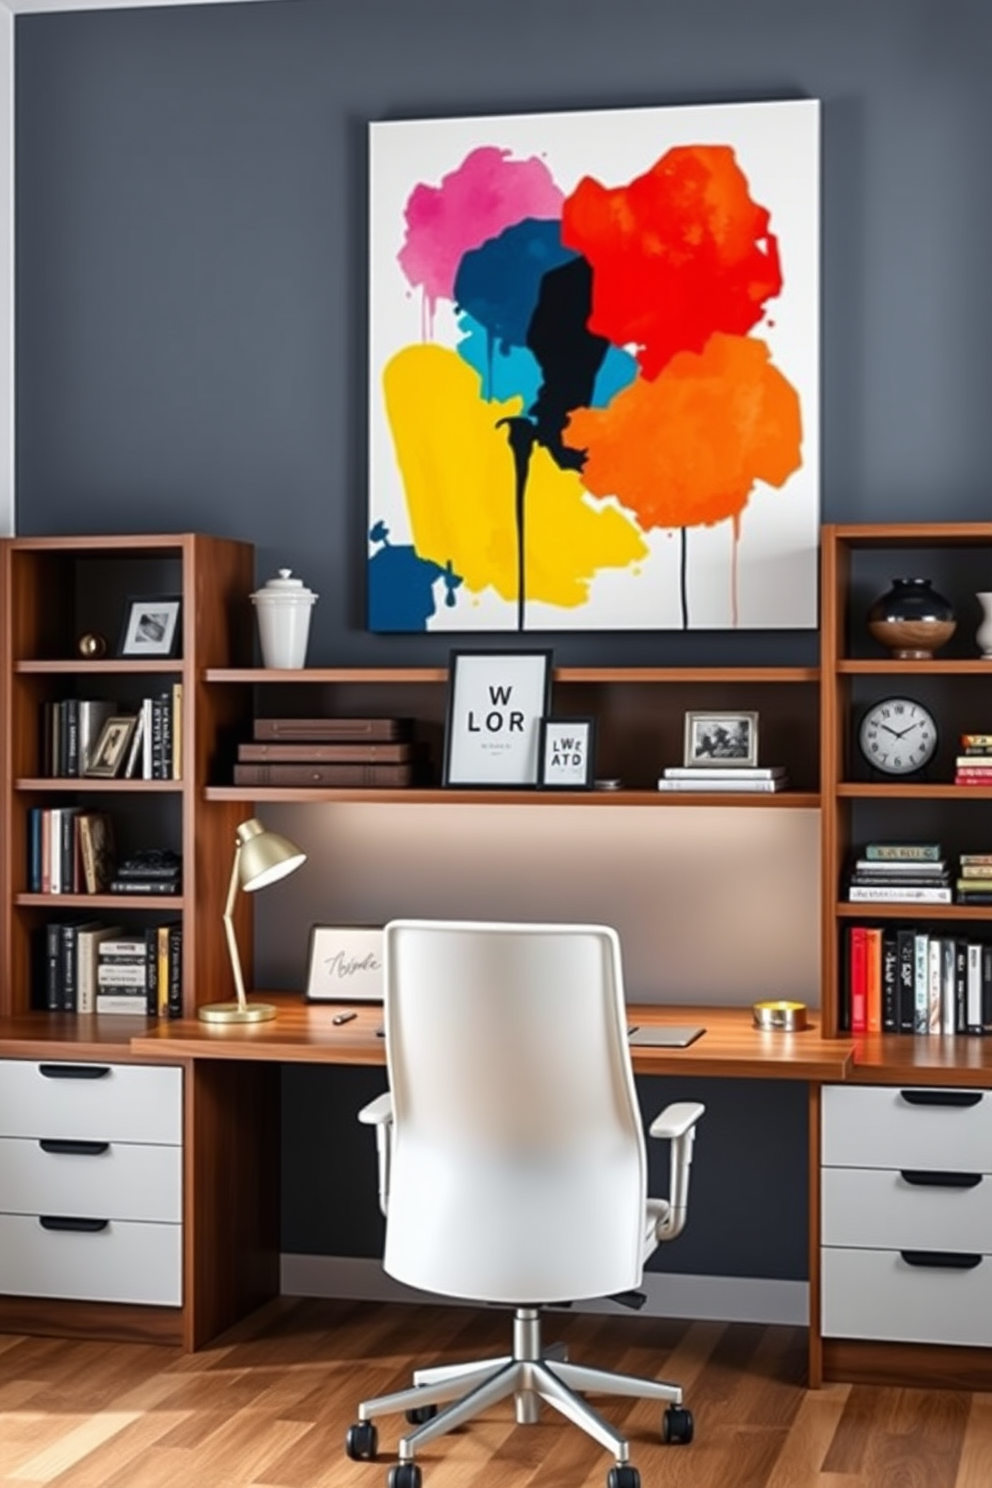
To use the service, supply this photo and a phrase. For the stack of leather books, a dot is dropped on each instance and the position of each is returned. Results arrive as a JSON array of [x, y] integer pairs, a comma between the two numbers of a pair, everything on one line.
[[328, 752]]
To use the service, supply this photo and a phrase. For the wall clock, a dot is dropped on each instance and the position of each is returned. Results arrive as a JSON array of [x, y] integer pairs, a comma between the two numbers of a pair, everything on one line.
[[898, 736]]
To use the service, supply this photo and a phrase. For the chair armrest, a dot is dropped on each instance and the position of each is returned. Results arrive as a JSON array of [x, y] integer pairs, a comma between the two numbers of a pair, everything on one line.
[[677, 1124], [379, 1113]]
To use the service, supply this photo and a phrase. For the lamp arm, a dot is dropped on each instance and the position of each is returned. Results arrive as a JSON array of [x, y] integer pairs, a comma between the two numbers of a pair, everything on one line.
[[232, 943]]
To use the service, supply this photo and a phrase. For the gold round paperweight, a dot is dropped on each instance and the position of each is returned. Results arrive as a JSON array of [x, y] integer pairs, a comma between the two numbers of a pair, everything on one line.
[[780, 1017], [92, 645]]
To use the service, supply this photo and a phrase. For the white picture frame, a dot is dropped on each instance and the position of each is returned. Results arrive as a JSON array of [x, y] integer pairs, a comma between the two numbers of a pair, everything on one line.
[[345, 964], [567, 753], [721, 739], [496, 701], [151, 626]]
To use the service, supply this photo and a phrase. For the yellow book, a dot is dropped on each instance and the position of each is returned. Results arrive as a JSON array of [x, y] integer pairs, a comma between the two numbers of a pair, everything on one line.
[[162, 972], [177, 731]]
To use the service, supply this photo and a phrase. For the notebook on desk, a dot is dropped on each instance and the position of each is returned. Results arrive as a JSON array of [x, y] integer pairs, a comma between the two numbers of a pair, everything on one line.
[[661, 1036]]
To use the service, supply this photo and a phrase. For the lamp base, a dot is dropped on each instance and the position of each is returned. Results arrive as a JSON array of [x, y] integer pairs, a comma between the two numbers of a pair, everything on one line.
[[236, 1012]]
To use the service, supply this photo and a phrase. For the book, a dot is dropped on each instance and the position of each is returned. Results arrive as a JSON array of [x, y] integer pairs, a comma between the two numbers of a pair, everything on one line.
[[858, 962], [935, 970], [69, 961], [873, 979], [975, 741], [713, 783], [162, 886], [121, 1002], [88, 942], [368, 775], [904, 880], [723, 772], [890, 982], [900, 867], [96, 848], [893, 851], [135, 750], [314, 753], [973, 992], [977, 872], [177, 731], [975, 859], [899, 894], [373, 730], [921, 982], [905, 974], [987, 988], [174, 997], [948, 974]]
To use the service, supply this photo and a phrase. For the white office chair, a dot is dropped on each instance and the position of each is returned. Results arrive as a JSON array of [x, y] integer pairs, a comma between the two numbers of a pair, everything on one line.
[[512, 1165]]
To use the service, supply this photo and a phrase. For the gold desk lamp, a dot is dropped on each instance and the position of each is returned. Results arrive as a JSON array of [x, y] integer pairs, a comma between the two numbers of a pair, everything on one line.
[[261, 858]]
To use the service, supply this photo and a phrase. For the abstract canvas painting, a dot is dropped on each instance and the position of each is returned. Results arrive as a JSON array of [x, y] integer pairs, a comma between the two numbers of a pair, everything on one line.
[[594, 364]]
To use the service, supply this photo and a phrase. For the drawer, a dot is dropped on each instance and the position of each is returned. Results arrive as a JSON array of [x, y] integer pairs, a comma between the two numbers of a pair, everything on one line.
[[114, 1180], [879, 1208], [875, 1126], [101, 1102], [123, 1262], [877, 1294]]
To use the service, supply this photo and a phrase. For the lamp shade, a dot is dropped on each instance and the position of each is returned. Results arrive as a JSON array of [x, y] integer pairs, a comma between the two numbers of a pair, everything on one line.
[[264, 857]]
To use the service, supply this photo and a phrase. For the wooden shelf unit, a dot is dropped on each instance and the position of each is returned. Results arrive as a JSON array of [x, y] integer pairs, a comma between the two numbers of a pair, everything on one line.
[[54, 589]]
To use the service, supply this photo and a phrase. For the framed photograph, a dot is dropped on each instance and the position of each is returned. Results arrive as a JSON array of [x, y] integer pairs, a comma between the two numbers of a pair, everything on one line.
[[496, 701], [151, 626], [721, 739], [567, 753], [107, 756], [344, 964]]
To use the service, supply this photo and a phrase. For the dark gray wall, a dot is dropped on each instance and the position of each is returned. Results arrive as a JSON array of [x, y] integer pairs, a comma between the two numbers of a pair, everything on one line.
[[191, 303]]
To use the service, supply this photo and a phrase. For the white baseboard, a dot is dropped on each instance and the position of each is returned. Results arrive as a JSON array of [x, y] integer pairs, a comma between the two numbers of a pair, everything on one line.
[[727, 1299]]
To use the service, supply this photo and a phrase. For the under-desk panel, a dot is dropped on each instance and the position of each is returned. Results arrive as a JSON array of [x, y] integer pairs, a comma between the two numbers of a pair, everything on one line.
[[305, 1033]]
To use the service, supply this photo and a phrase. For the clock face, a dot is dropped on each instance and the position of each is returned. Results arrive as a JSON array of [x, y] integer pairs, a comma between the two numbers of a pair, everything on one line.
[[898, 736]]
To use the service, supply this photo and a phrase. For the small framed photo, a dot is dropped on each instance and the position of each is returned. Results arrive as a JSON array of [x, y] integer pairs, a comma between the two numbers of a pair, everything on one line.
[[107, 756], [721, 739], [151, 626], [567, 753], [344, 964], [496, 701]]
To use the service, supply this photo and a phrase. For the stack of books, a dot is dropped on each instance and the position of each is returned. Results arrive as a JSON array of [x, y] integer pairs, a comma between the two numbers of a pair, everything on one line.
[[973, 766], [141, 972], [907, 980], [153, 870], [328, 752], [760, 778], [901, 873], [974, 882]]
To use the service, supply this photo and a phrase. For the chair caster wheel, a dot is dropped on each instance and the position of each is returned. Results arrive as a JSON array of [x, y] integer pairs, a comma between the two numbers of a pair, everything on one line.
[[676, 1426], [421, 1413], [405, 1475], [623, 1476], [362, 1441]]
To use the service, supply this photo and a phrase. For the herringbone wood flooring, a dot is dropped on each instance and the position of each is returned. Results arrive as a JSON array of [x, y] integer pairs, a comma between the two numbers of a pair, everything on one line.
[[268, 1407]]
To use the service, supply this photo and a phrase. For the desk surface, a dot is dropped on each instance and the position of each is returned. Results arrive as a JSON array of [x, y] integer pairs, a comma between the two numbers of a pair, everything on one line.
[[305, 1033]]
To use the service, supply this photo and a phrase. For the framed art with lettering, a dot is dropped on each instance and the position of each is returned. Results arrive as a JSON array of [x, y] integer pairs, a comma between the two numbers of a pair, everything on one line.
[[344, 964], [496, 701]]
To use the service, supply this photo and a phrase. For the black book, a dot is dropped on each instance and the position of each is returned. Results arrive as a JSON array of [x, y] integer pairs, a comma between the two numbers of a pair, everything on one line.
[[70, 730], [906, 962], [890, 982], [53, 966], [987, 988], [175, 993], [160, 886], [150, 863]]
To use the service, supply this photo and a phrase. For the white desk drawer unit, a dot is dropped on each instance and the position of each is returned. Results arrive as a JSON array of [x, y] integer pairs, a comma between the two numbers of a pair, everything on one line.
[[906, 1214], [91, 1181]]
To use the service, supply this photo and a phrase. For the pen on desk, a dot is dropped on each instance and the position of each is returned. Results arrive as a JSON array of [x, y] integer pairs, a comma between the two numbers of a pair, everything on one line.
[[343, 1017]]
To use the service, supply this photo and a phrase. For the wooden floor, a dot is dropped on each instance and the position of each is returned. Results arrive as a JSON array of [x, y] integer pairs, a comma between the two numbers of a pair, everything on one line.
[[269, 1407]]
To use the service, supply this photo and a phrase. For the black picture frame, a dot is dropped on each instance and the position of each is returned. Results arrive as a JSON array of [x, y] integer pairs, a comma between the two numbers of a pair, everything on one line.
[[567, 753], [496, 702], [152, 626]]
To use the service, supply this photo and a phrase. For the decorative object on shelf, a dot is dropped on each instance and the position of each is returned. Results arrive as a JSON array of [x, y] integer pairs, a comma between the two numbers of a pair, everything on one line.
[[344, 963], [780, 1016], [721, 740], [108, 754], [260, 858], [151, 626], [983, 635], [567, 753], [92, 645], [912, 620], [898, 736], [496, 700], [283, 607], [608, 783], [586, 229]]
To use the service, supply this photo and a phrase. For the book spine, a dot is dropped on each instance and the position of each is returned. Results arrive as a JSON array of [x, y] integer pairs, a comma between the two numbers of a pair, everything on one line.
[[935, 970], [898, 894], [115, 1002], [144, 886], [166, 756], [948, 981], [896, 851], [175, 997], [905, 953], [162, 972], [858, 951], [873, 980], [921, 982], [960, 985], [314, 753], [55, 850], [890, 983], [298, 730], [973, 995], [34, 850], [53, 967], [68, 979], [723, 772], [330, 775], [177, 731], [123, 974], [987, 988], [72, 766], [151, 971], [713, 783]]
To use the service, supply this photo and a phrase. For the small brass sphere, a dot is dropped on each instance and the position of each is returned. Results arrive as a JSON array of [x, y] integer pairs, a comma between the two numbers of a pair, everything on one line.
[[92, 645]]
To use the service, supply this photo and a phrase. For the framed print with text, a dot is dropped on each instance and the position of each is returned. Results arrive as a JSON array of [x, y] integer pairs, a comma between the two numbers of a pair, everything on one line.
[[567, 753], [344, 964], [496, 701]]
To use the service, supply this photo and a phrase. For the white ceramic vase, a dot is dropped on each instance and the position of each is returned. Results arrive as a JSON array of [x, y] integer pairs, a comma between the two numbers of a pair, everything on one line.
[[983, 634], [283, 608]]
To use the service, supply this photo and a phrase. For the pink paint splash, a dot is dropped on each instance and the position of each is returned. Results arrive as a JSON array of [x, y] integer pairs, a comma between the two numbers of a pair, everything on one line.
[[477, 200]]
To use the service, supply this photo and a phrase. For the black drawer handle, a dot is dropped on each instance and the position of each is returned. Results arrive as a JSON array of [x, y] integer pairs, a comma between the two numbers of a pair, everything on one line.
[[948, 1260], [921, 1178], [941, 1097], [74, 1071], [73, 1148], [70, 1222]]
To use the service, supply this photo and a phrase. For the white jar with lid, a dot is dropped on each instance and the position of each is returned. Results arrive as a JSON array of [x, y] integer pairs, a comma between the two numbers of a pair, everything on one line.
[[283, 608]]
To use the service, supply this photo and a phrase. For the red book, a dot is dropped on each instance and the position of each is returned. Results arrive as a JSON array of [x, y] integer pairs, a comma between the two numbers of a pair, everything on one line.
[[858, 963], [873, 980]]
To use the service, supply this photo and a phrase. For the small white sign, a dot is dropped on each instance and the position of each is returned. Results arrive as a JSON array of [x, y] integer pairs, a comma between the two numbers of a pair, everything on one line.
[[345, 964]]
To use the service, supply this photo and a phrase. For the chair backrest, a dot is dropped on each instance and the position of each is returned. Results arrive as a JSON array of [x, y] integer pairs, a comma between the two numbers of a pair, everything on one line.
[[518, 1170]]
